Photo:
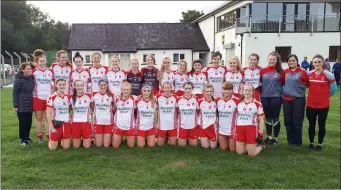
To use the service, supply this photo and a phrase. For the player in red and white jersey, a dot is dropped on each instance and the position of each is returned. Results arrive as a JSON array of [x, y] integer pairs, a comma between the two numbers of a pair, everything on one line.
[[57, 115], [80, 73], [167, 75], [167, 125], [207, 119], [116, 76], [227, 112], [180, 78], [235, 75], [62, 69], [97, 72], [215, 74], [187, 107], [43, 78], [197, 78], [250, 114], [252, 74], [81, 126], [145, 124], [124, 117], [102, 103]]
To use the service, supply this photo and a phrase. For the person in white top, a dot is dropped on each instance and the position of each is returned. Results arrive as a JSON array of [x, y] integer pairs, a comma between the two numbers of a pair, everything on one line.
[[145, 124], [80, 73], [124, 118], [43, 78], [252, 74], [215, 74], [62, 69], [227, 113], [57, 115], [197, 78], [250, 114], [167, 123], [207, 119], [180, 78], [102, 103], [97, 71], [81, 126], [187, 107], [116, 76], [235, 75], [167, 75]]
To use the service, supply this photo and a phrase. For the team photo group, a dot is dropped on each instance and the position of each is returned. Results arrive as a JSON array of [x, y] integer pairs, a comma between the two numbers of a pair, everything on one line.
[[229, 107]]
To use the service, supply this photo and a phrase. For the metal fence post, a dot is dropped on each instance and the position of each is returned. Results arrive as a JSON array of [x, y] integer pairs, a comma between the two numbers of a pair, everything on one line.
[[250, 26], [23, 54], [3, 73], [12, 63], [312, 26], [18, 56]]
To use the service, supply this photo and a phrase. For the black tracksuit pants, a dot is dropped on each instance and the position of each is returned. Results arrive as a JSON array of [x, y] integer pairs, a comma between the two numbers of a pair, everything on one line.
[[25, 124]]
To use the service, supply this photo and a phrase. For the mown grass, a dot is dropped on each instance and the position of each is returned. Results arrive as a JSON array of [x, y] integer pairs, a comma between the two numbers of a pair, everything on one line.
[[278, 166]]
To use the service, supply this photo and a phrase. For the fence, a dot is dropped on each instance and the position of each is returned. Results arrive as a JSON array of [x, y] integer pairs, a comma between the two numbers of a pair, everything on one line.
[[10, 63]]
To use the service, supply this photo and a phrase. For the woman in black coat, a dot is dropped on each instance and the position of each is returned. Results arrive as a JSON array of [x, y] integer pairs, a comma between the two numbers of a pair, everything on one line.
[[22, 101]]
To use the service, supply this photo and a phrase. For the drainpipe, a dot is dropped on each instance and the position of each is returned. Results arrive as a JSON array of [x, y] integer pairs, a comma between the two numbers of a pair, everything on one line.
[[241, 48], [214, 33]]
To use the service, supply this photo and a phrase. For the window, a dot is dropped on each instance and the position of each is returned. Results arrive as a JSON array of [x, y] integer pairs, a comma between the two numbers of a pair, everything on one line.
[[144, 58], [87, 59], [177, 57], [332, 17], [226, 20], [275, 11], [334, 53], [258, 12], [284, 51]]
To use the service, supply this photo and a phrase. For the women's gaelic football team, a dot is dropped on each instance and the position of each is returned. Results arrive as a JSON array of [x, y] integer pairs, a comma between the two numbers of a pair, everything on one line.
[[216, 105]]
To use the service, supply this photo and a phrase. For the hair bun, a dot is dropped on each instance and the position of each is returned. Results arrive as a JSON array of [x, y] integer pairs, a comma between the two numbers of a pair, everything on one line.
[[38, 52], [77, 54]]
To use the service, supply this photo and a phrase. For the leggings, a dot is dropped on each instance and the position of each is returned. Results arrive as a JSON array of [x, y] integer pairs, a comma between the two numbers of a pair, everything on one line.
[[25, 124], [293, 119], [272, 109], [321, 115]]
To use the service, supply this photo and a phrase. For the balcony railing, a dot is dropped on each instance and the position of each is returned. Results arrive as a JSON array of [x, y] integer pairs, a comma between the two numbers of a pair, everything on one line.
[[267, 24]]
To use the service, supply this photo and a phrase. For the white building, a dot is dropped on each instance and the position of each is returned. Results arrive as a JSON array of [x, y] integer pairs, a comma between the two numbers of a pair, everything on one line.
[[299, 27], [137, 40]]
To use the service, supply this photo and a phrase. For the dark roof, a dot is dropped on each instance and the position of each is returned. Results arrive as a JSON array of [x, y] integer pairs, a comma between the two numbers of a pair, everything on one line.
[[129, 38]]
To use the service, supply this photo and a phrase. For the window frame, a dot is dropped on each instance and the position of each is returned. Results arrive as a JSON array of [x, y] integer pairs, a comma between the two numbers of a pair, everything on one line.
[[179, 54], [144, 58], [283, 58], [85, 57], [331, 53], [229, 19]]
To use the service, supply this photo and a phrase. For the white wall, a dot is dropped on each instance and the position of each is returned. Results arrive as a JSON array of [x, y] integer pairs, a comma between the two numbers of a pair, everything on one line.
[[207, 29], [302, 44]]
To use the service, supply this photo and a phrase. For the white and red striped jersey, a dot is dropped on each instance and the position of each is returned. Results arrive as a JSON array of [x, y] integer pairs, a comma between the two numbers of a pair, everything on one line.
[[81, 108], [207, 113], [252, 76], [95, 75], [60, 107], [198, 80], [124, 117], [82, 75], [236, 78], [166, 113], [115, 80], [167, 77], [179, 80], [43, 83], [62, 72], [145, 114], [103, 108], [248, 113], [215, 76], [187, 112], [227, 111]]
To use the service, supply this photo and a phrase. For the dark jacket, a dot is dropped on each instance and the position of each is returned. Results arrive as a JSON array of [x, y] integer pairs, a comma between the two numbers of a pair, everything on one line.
[[23, 92]]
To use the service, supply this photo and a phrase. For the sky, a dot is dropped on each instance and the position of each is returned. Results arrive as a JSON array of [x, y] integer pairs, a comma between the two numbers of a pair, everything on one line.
[[121, 11]]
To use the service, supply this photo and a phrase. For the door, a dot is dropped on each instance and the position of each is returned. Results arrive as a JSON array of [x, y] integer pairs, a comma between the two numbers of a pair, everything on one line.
[[125, 61]]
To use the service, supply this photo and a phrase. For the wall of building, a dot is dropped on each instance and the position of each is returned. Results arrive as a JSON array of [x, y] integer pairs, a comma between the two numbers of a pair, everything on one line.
[[302, 44], [207, 29]]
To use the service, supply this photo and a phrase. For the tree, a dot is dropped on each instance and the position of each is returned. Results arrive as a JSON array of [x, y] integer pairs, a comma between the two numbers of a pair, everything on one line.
[[190, 15]]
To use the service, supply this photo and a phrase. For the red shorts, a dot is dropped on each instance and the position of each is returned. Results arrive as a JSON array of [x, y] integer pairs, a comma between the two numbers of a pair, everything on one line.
[[188, 133], [127, 133], [103, 129], [81, 129], [179, 93], [38, 104], [247, 134], [155, 92], [63, 132], [166, 133], [257, 95], [142, 133], [199, 96], [209, 132], [228, 136]]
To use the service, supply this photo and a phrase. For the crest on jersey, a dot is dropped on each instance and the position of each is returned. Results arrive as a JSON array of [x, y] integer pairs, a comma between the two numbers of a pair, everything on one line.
[[188, 104], [229, 106], [97, 73], [84, 76], [66, 71], [107, 99], [64, 103], [119, 76], [167, 103], [115, 76], [221, 72], [182, 79], [244, 109], [250, 109], [61, 72], [297, 75], [101, 72], [216, 73], [192, 103], [80, 102], [127, 102], [171, 102], [209, 107], [122, 104]]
